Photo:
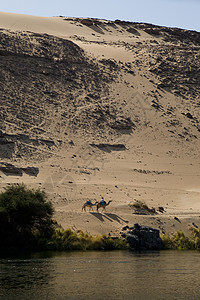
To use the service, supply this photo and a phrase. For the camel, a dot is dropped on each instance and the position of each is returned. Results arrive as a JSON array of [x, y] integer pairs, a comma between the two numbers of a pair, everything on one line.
[[103, 204], [88, 204]]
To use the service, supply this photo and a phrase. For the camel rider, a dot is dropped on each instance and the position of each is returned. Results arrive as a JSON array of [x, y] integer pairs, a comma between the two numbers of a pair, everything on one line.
[[102, 201]]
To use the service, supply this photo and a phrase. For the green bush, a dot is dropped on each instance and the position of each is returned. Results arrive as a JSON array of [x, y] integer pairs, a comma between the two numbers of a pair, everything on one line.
[[178, 241], [63, 240], [25, 216]]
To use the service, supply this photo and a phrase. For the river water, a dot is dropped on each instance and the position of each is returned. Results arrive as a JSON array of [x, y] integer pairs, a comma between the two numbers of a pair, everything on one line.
[[101, 275]]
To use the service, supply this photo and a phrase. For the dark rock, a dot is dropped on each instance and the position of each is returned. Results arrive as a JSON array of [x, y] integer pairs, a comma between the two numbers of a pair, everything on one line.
[[189, 116], [153, 31], [177, 219], [9, 169], [71, 143], [156, 105], [133, 31], [112, 64], [195, 225], [31, 171], [133, 241], [87, 22], [143, 238], [123, 235], [49, 143], [125, 227], [136, 226], [161, 209], [131, 72], [110, 147]]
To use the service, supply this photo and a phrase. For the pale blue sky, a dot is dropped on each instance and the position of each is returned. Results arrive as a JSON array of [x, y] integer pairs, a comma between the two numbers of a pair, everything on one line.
[[173, 13]]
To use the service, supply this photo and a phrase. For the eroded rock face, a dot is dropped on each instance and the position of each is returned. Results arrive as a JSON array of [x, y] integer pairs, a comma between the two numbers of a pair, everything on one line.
[[143, 238], [11, 170], [110, 147], [10, 144], [44, 81]]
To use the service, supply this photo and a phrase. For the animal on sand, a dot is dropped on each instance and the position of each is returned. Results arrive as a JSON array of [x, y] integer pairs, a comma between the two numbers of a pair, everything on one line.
[[103, 204], [88, 204]]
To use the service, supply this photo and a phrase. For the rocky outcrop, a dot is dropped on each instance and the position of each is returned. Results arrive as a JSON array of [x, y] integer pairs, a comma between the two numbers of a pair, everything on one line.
[[7, 147], [31, 171], [109, 147], [11, 144], [151, 172], [133, 31], [87, 22], [42, 80], [11, 170], [142, 237]]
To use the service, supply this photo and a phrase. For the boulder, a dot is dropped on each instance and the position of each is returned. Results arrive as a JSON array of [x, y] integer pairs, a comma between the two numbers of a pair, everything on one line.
[[143, 238]]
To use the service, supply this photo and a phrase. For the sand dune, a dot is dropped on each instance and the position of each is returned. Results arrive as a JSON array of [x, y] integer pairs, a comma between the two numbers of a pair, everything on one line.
[[102, 108]]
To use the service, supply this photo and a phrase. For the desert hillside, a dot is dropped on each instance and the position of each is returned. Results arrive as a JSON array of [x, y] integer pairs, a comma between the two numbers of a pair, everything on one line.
[[93, 108]]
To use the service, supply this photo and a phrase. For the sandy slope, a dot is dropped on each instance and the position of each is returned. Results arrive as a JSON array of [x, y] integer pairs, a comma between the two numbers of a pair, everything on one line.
[[159, 163]]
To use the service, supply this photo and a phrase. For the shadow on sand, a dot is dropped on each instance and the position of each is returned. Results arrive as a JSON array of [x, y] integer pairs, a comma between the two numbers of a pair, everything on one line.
[[100, 216], [116, 218], [110, 217]]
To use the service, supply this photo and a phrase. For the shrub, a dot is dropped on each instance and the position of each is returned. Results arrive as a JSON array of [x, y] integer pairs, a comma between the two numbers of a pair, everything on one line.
[[178, 241], [25, 216], [68, 240], [167, 242], [141, 208]]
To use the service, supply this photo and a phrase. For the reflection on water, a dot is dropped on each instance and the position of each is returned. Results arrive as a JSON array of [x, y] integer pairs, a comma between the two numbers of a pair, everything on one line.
[[101, 275]]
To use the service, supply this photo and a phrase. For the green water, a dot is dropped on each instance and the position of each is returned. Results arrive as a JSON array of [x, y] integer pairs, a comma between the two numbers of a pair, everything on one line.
[[101, 275]]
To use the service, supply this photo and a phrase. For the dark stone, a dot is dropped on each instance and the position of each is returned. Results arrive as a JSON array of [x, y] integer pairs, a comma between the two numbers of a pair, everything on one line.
[[189, 116], [123, 235], [110, 147], [161, 209], [87, 22], [9, 169], [71, 143], [177, 219], [133, 241], [195, 225], [125, 227], [143, 238], [31, 171], [133, 31]]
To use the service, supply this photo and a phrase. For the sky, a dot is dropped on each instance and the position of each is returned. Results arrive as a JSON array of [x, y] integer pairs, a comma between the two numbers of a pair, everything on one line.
[[171, 13]]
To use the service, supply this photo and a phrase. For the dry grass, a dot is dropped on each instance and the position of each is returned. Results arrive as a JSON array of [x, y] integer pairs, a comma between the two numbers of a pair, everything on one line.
[[140, 208]]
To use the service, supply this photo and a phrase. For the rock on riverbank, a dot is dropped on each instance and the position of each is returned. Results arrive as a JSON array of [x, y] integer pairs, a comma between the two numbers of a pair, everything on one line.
[[143, 237]]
